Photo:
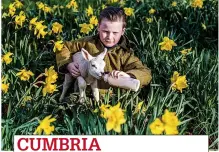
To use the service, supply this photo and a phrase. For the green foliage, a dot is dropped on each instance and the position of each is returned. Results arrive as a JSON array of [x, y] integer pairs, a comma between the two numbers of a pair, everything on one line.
[[196, 107]]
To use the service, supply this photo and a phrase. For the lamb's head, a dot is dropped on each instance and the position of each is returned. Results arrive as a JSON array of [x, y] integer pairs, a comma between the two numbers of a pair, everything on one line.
[[96, 64]]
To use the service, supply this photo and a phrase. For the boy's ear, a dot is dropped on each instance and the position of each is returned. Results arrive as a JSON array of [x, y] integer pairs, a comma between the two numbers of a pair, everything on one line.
[[123, 30], [86, 55]]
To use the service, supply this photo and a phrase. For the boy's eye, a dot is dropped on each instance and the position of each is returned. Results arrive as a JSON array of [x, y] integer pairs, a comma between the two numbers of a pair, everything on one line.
[[115, 32]]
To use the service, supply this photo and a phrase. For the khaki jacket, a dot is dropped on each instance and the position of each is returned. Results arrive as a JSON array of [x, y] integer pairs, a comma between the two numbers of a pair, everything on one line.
[[121, 57]]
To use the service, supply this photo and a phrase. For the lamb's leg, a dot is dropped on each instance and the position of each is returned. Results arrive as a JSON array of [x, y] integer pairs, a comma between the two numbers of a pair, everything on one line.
[[95, 91], [67, 83], [82, 87]]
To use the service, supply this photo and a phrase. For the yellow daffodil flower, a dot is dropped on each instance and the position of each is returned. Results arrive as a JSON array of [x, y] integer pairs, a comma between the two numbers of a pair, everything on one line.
[[115, 118], [4, 15], [204, 26], [56, 27], [93, 20], [20, 19], [167, 44], [149, 20], [27, 98], [40, 5], [85, 28], [152, 11], [5, 87], [7, 58], [73, 4], [168, 124], [197, 3], [12, 9], [89, 11], [47, 9], [170, 118], [24, 75], [58, 46], [45, 126], [103, 6], [139, 107], [129, 11], [51, 75], [157, 127], [49, 88], [32, 22], [174, 4], [18, 4], [178, 82], [171, 130]]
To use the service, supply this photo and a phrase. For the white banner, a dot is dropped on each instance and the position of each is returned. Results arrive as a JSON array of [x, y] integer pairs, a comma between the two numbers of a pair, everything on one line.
[[111, 143]]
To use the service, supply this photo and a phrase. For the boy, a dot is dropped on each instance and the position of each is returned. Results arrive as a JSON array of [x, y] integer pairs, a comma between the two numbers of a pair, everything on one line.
[[120, 59]]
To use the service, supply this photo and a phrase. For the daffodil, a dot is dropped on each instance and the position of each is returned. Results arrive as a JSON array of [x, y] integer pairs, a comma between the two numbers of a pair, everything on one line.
[[12, 9], [49, 88], [103, 109], [18, 4], [185, 51], [115, 118], [167, 44], [103, 6], [129, 11], [112, 1], [85, 28], [47, 9], [171, 130], [197, 3], [170, 118], [41, 33], [157, 127], [58, 46], [32, 22], [4, 15], [139, 107], [149, 20], [204, 26], [89, 11], [168, 124], [56, 27], [20, 19], [174, 4], [45, 126], [152, 11], [73, 4], [27, 98], [40, 5], [178, 82], [24, 75], [5, 87], [7, 58], [51, 75], [93, 20]]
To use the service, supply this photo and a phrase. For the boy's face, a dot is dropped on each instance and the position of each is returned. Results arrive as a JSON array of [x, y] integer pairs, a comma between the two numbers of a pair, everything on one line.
[[110, 32]]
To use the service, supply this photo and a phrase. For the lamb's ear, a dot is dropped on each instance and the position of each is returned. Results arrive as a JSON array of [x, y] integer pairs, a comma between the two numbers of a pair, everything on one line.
[[86, 55], [102, 55]]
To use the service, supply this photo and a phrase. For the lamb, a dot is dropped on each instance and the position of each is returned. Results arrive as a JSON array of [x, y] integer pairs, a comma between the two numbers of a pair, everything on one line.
[[91, 69]]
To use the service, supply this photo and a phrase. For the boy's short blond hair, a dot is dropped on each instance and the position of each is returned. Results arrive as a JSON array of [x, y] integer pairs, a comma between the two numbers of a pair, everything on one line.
[[113, 14]]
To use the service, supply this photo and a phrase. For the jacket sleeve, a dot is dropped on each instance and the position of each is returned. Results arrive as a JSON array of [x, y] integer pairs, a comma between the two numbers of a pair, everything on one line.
[[64, 57], [134, 67]]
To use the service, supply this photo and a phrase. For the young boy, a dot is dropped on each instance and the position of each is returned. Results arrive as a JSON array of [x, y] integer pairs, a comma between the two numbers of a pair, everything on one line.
[[120, 59]]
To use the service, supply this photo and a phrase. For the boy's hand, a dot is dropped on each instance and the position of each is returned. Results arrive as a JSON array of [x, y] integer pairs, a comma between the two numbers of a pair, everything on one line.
[[116, 74], [73, 69]]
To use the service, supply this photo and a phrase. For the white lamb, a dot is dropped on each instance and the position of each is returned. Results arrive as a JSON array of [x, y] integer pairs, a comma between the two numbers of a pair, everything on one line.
[[91, 69]]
